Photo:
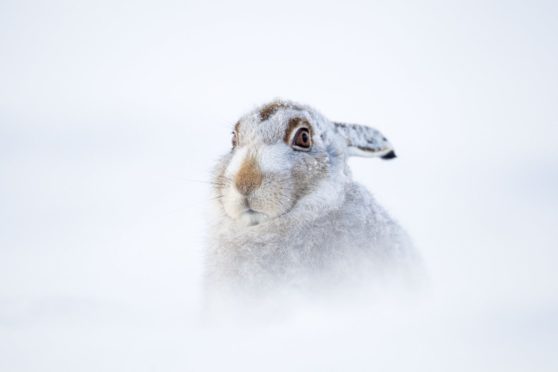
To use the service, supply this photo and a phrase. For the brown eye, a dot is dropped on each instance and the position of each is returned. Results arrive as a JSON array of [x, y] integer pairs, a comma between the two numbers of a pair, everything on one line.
[[234, 139], [302, 139]]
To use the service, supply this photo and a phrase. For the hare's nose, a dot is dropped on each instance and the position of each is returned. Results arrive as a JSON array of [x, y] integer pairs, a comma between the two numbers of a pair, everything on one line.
[[249, 176]]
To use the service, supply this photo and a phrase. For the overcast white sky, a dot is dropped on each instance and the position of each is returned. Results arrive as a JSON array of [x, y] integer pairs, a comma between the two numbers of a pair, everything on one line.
[[109, 108]]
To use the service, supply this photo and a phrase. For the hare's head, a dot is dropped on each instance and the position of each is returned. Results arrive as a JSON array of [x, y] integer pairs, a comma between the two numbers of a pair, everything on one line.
[[283, 153]]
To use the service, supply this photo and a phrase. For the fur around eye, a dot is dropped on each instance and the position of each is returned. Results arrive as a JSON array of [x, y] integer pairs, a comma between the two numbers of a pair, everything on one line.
[[302, 139], [234, 139]]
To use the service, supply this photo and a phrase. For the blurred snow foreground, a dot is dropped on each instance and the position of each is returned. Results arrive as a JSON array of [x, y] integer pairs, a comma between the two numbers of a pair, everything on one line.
[[289, 215]]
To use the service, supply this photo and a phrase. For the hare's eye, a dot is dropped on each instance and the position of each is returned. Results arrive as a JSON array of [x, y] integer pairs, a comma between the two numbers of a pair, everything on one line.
[[234, 139], [302, 139]]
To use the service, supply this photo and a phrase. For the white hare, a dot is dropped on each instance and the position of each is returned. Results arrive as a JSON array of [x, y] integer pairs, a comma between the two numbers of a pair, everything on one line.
[[288, 209]]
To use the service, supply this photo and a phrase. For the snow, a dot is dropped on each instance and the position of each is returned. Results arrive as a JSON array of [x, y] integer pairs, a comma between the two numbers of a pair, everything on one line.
[[111, 112]]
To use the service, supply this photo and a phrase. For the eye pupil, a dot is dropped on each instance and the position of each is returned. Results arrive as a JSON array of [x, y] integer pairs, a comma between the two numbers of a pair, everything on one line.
[[302, 139]]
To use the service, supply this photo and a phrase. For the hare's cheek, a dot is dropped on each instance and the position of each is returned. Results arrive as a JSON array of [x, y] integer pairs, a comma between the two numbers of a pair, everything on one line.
[[275, 159], [308, 174], [275, 196]]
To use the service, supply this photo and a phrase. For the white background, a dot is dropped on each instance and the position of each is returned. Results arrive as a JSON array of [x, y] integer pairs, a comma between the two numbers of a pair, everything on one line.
[[110, 110]]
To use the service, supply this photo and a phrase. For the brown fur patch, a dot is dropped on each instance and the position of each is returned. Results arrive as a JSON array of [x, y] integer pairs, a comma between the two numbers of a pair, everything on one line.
[[271, 108], [249, 176], [296, 123]]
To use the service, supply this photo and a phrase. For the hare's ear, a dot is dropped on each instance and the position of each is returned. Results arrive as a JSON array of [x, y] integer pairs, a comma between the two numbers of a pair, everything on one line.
[[365, 141]]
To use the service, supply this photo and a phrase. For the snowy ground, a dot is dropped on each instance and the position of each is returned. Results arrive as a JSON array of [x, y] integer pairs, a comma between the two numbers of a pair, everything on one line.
[[110, 110]]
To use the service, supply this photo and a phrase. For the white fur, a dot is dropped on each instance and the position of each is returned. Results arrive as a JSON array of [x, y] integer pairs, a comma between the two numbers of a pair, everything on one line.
[[272, 157], [236, 161]]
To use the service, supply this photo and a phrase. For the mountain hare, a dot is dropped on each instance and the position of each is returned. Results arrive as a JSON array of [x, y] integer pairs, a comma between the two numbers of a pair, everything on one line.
[[289, 212]]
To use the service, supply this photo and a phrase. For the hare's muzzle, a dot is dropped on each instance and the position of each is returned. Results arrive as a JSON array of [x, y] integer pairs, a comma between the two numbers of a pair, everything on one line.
[[249, 176]]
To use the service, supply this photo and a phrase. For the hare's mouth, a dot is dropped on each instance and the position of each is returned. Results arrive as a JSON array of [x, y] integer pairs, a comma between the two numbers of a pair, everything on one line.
[[249, 210], [251, 217]]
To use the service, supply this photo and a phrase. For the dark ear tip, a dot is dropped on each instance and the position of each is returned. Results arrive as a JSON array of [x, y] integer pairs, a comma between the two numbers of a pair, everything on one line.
[[390, 155]]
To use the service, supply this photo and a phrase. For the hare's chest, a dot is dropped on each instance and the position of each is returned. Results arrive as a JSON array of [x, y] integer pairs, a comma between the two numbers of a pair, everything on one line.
[[282, 254]]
